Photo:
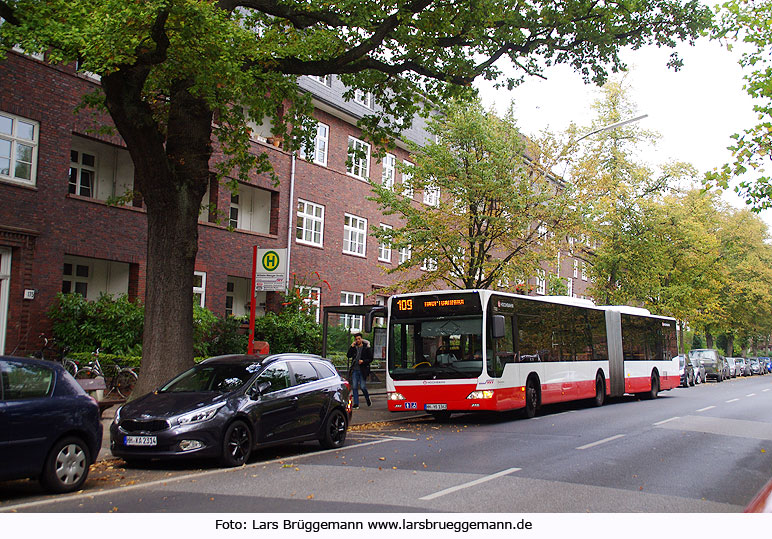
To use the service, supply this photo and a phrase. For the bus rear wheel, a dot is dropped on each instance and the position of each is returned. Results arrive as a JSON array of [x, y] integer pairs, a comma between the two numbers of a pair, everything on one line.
[[600, 391], [531, 399], [654, 386]]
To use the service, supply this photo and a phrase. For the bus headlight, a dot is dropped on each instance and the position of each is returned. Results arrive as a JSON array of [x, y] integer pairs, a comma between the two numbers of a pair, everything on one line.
[[485, 394], [396, 396]]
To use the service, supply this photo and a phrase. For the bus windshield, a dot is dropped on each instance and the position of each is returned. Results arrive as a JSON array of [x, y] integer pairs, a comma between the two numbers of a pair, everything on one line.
[[436, 349]]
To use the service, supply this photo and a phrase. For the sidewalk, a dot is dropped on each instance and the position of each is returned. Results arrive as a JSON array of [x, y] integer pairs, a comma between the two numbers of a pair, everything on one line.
[[377, 413]]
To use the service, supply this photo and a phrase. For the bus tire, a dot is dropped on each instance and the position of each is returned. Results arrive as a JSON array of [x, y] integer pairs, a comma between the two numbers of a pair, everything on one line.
[[531, 399], [652, 394], [600, 391]]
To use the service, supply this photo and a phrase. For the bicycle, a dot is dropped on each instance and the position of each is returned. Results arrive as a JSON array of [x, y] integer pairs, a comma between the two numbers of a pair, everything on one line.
[[122, 379], [59, 354]]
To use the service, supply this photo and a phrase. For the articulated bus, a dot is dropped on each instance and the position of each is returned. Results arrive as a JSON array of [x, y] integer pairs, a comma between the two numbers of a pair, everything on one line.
[[461, 351]]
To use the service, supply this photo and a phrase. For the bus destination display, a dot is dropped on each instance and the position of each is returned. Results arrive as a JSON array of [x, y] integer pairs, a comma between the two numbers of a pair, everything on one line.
[[439, 305]]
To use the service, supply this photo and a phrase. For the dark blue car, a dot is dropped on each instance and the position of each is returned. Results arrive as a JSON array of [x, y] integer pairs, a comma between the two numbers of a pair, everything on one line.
[[50, 429]]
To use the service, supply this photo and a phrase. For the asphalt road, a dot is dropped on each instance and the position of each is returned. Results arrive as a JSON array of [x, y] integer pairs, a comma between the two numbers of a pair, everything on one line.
[[702, 449]]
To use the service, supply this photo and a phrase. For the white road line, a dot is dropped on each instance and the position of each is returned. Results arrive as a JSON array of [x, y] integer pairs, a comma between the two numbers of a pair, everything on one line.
[[764, 390], [706, 409], [469, 484], [750, 395], [666, 421], [593, 444], [90, 494], [732, 400]]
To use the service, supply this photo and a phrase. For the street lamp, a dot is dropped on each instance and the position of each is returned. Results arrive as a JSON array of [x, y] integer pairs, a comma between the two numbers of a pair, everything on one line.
[[612, 126]]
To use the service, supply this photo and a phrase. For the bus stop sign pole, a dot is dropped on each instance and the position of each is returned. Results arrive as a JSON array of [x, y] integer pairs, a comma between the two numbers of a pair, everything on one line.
[[252, 304]]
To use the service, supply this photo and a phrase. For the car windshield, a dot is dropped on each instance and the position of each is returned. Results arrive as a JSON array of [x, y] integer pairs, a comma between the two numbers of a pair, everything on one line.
[[217, 378], [704, 355]]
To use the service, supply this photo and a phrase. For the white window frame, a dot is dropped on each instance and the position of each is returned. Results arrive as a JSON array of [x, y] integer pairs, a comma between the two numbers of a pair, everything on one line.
[[389, 172], [233, 218], [306, 221], [429, 264], [407, 190], [405, 254], [321, 145], [15, 141], [541, 282], [384, 249], [322, 79], [358, 167], [576, 268], [311, 296], [570, 284], [74, 279], [584, 271], [78, 167], [354, 235], [364, 98], [432, 195], [352, 322], [201, 290]]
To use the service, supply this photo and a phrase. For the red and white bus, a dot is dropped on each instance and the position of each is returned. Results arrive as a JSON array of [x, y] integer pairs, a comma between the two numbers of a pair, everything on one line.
[[461, 351]]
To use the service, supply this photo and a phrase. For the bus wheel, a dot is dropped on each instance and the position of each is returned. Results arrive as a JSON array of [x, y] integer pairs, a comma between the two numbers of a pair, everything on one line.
[[531, 399], [600, 391], [441, 416], [654, 386]]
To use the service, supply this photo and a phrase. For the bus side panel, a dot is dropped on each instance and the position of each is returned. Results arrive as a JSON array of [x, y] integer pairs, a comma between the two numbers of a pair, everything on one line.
[[556, 382], [585, 377]]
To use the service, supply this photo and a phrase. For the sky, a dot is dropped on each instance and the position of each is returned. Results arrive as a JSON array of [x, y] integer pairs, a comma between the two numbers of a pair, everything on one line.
[[695, 110]]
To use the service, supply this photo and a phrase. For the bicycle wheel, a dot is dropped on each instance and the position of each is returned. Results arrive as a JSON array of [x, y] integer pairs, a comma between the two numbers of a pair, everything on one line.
[[70, 366], [125, 381], [86, 372]]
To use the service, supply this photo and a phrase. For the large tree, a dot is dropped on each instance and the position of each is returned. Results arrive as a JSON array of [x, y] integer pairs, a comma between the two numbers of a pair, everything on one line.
[[179, 78]]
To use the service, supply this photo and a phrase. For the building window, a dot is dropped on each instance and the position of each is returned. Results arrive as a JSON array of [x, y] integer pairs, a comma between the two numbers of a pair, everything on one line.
[[311, 297], [576, 269], [322, 79], [250, 209], [18, 148], [541, 282], [389, 171], [584, 271], [359, 158], [199, 288], [570, 283], [384, 249], [405, 254], [321, 141], [364, 98], [354, 235], [233, 220], [429, 264], [407, 177], [432, 195], [75, 278], [310, 223], [82, 173], [352, 322]]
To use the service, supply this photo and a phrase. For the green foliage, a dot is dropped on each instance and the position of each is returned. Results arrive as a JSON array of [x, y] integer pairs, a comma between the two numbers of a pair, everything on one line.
[[204, 322], [293, 329], [225, 336], [556, 286], [113, 324]]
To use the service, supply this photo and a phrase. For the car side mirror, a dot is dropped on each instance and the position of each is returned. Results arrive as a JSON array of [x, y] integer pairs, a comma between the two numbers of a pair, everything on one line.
[[258, 389], [497, 323]]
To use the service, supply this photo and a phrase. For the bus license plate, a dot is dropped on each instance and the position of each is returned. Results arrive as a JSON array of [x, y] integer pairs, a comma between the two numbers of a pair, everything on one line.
[[140, 440], [431, 407]]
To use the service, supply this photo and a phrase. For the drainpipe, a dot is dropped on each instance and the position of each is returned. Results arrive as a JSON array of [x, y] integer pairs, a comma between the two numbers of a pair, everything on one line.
[[290, 221]]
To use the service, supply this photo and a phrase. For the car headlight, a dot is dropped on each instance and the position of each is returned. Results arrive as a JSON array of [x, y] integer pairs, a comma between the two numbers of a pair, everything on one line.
[[117, 418], [197, 416]]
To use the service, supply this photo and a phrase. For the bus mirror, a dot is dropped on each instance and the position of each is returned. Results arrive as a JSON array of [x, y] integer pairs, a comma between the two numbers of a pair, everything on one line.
[[497, 331], [375, 312]]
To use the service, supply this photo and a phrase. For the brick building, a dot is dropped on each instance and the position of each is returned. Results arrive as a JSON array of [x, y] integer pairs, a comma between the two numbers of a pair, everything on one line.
[[58, 232]]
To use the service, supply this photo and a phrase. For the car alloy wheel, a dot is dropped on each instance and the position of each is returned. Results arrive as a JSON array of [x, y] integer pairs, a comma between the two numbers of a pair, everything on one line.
[[237, 444]]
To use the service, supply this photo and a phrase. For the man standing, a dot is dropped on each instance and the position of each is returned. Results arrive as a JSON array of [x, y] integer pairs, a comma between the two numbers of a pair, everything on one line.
[[361, 355]]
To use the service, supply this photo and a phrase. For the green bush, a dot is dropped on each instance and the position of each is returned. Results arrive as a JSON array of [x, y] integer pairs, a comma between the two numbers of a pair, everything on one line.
[[294, 329], [113, 324], [222, 336]]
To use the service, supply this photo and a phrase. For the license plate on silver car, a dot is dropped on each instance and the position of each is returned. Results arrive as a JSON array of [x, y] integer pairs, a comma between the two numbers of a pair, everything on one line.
[[431, 407], [140, 440]]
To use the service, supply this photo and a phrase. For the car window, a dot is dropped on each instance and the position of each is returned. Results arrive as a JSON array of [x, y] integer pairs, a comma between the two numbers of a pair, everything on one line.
[[324, 370], [21, 381], [304, 372], [277, 375], [220, 378]]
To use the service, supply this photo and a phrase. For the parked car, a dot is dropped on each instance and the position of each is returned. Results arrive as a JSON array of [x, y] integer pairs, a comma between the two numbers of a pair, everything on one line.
[[699, 370], [50, 429], [731, 368], [755, 365], [226, 406], [743, 366], [714, 363], [764, 365], [687, 371]]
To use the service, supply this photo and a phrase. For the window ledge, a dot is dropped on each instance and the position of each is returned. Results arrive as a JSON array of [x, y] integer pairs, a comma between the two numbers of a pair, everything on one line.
[[19, 183]]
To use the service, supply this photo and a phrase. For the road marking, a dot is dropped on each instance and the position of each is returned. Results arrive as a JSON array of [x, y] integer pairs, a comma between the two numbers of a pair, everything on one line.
[[666, 421], [194, 475], [764, 390], [750, 395], [706, 409], [469, 484], [732, 400], [593, 444]]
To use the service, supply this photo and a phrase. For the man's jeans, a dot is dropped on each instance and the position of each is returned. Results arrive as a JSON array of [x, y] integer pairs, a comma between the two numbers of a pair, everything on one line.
[[357, 381]]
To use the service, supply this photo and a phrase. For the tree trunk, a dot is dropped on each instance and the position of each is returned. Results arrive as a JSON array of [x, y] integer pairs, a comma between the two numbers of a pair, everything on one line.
[[729, 345], [708, 339]]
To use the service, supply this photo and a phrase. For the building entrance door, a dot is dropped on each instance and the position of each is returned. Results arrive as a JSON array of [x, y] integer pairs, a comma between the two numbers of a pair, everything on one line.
[[5, 285]]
